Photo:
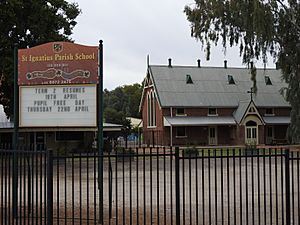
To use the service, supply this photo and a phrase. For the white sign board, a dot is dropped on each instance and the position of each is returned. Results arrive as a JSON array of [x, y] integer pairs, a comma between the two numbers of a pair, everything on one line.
[[58, 106]]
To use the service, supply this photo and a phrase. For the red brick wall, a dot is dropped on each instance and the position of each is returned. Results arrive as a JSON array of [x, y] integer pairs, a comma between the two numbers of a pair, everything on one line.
[[200, 111], [277, 111], [280, 131], [261, 135]]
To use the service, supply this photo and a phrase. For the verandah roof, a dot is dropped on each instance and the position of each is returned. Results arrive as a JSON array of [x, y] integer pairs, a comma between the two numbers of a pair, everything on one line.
[[198, 121]]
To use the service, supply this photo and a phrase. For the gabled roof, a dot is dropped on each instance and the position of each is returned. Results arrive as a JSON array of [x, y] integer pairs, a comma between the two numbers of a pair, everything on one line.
[[244, 109], [210, 86], [239, 113]]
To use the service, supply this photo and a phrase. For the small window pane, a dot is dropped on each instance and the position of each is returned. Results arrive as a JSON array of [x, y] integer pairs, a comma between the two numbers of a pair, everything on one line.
[[270, 111], [180, 111], [180, 132], [212, 111]]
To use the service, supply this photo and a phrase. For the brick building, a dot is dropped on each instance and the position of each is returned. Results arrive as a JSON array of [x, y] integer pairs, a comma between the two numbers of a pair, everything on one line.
[[194, 105]]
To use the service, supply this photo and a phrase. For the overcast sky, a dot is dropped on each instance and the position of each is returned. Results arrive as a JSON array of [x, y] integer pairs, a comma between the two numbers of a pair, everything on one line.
[[133, 29]]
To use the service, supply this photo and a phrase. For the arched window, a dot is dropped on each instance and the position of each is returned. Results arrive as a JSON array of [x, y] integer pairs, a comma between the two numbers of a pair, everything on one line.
[[149, 110], [251, 123], [151, 105], [153, 109]]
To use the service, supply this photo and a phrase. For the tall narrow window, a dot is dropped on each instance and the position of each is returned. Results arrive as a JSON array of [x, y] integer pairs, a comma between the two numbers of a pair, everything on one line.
[[149, 111], [153, 109], [151, 105]]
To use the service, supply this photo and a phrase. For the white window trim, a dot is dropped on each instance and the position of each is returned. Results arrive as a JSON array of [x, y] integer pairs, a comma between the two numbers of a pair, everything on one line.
[[270, 114], [213, 114]]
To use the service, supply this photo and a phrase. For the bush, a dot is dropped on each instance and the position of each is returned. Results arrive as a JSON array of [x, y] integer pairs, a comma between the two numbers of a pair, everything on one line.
[[191, 151]]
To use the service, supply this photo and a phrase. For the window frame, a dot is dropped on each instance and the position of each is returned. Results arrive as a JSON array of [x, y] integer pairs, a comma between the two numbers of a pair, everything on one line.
[[270, 114], [178, 135], [210, 114]]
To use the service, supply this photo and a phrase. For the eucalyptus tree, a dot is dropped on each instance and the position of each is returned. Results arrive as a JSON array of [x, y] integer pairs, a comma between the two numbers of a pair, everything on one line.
[[28, 23], [261, 29]]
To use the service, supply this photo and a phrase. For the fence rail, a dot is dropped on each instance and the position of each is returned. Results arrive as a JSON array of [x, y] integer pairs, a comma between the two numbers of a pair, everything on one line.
[[151, 186]]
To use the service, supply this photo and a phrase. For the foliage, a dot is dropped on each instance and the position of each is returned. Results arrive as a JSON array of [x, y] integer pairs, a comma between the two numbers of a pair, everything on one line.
[[29, 23], [258, 27], [192, 150], [124, 99]]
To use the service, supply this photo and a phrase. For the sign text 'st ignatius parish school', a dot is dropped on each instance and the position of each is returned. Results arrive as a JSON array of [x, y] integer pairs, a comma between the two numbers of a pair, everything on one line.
[[58, 63]]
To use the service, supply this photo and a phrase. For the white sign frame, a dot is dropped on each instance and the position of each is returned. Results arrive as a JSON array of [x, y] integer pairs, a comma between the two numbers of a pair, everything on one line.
[[58, 105]]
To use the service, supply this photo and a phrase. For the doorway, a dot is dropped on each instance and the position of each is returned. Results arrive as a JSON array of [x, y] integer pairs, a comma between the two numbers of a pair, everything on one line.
[[251, 133], [212, 136]]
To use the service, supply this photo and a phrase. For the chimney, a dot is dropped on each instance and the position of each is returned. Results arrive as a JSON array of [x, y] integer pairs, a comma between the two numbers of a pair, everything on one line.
[[225, 64], [170, 62], [199, 63]]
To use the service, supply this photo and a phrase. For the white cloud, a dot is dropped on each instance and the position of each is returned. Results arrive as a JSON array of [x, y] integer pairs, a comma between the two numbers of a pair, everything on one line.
[[131, 29]]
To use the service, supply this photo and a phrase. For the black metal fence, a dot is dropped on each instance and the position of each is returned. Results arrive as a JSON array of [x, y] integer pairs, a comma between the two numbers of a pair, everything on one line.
[[151, 186]]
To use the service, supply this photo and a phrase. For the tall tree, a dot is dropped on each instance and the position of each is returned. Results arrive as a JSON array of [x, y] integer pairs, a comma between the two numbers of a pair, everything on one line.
[[29, 23], [258, 27]]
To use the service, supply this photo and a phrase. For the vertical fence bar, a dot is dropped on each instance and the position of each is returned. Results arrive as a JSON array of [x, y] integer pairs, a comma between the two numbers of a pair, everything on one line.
[[287, 187], [276, 189], [264, 182], [216, 187], [282, 185], [298, 191], [252, 184], [137, 187], [100, 132], [157, 177], [177, 186], [171, 184], [15, 134], [165, 201], [197, 197], [50, 187], [241, 189], [270, 184], [258, 186], [228, 187], [293, 190], [203, 194], [183, 188]]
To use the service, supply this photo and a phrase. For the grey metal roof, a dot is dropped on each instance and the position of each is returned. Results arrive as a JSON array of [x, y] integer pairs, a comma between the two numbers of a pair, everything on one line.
[[210, 87], [277, 120], [240, 111], [198, 121]]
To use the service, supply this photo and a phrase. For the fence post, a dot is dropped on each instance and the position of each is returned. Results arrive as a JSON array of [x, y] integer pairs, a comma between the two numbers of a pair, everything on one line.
[[177, 185], [15, 184], [49, 156], [287, 187]]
